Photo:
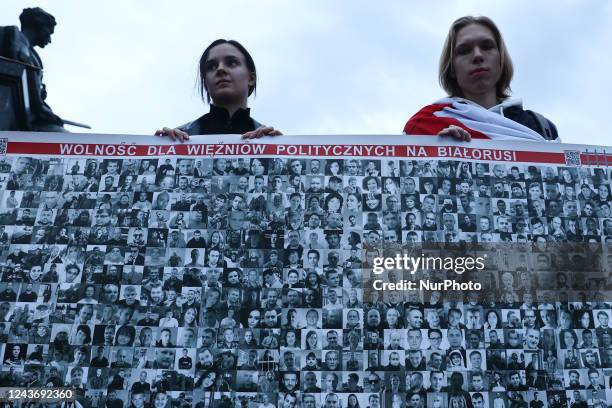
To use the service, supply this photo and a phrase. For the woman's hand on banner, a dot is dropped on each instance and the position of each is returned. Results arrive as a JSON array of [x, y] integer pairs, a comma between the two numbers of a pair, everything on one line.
[[262, 131], [456, 132], [174, 134]]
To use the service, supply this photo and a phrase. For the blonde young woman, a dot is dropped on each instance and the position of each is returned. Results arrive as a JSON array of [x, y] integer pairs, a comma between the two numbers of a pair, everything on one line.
[[476, 70]]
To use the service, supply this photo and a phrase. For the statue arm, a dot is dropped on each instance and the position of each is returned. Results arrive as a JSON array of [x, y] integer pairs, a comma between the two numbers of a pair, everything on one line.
[[15, 45], [8, 46]]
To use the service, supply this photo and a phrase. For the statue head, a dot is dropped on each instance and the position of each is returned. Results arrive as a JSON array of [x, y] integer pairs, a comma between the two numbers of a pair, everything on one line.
[[38, 25]]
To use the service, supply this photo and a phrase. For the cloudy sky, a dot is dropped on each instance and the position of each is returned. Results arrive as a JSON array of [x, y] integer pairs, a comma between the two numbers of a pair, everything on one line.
[[324, 67]]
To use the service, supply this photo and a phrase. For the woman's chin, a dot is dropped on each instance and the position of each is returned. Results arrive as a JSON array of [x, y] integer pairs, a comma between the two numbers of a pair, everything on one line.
[[227, 97]]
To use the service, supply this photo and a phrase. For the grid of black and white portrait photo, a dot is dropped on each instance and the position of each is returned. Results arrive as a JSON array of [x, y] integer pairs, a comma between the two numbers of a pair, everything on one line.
[[245, 282]]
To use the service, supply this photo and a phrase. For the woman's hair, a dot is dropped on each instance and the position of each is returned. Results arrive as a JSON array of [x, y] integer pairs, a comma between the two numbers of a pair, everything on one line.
[[307, 281], [357, 196], [330, 162], [194, 322], [218, 233], [129, 331], [85, 329], [202, 66], [496, 315], [392, 180], [579, 318], [203, 375], [562, 342], [291, 314], [368, 178], [297, 342], [446, 72], [349, 398], [308, 335], [331, 196]]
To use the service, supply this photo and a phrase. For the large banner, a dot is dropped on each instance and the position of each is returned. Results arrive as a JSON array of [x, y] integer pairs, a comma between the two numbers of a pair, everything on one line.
[[315, 271]]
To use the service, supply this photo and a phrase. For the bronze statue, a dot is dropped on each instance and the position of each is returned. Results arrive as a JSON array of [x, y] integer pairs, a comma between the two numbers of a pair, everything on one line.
[[37, 26]]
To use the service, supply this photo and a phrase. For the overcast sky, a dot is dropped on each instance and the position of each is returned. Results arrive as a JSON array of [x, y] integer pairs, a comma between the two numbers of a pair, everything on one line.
[[324, 67]]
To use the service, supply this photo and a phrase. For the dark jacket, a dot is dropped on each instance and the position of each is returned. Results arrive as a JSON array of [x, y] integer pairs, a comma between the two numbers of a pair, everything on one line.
[[530, 119], [218, 121]]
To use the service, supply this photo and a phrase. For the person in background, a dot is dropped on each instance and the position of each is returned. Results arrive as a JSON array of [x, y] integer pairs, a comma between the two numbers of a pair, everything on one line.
[[227, 76], [476, 70]]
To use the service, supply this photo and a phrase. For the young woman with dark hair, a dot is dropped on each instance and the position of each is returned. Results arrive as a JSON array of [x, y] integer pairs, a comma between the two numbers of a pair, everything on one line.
[[227, 77]]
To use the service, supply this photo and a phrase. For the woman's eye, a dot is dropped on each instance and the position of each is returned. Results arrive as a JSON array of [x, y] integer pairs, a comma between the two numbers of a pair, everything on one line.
[[488, 45]]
